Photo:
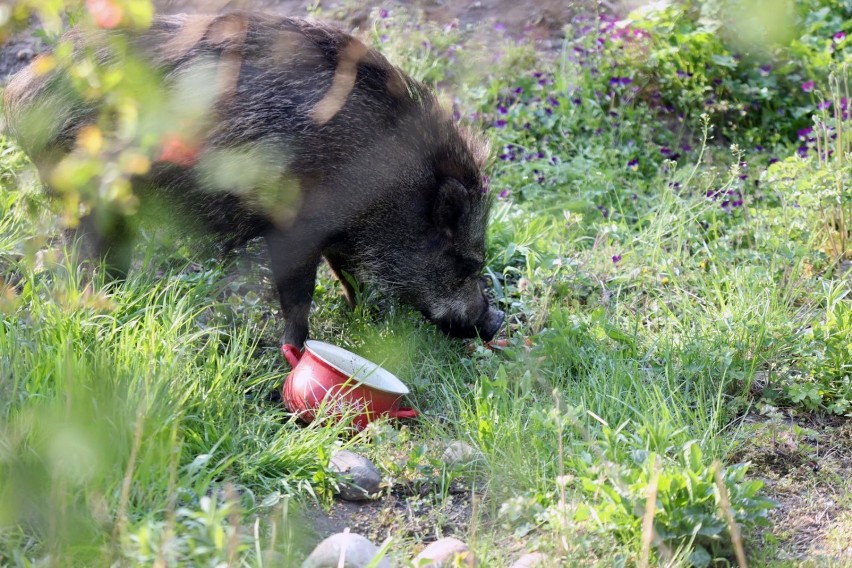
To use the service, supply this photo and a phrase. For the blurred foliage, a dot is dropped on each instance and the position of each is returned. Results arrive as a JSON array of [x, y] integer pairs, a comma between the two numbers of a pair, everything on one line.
[[670, 242]]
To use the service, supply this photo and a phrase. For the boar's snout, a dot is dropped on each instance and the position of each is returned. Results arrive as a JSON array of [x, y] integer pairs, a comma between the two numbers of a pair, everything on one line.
[[493, 322], [485, 327]]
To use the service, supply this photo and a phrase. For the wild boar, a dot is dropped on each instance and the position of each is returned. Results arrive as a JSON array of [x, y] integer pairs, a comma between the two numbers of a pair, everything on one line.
[[308, 139]]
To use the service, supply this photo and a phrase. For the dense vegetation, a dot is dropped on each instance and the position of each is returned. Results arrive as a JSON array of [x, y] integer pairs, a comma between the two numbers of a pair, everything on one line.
[[670, 241]]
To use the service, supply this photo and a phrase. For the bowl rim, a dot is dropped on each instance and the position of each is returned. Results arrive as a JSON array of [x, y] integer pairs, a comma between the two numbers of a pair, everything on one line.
[[377, 377]]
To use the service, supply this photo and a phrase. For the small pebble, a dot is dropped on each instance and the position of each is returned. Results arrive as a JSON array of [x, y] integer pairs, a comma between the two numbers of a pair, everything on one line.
[[460, 453], [532, 560], [445, 552], [359, 552], [362, 479], [25, 54]]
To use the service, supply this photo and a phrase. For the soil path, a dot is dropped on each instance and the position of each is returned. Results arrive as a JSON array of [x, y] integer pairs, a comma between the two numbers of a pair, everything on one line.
[[541, 20]]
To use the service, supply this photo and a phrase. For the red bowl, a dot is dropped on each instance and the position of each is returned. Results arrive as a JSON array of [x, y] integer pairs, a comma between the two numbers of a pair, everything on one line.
[[342, 381]]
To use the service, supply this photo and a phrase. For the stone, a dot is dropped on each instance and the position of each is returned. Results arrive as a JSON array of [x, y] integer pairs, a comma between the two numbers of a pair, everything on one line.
[[361, 480], [25, 54], [460, 453], [445, 552], [358, 552], [532, 560]]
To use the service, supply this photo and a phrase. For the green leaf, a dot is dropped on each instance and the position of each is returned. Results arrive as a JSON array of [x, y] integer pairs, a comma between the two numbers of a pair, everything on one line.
[[700, 558]]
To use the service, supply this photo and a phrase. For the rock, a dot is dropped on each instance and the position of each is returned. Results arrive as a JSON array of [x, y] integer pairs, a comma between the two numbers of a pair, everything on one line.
[[459, 453], [445, 552], [532, 560], [362, 478], [358, 551], [25, 54]]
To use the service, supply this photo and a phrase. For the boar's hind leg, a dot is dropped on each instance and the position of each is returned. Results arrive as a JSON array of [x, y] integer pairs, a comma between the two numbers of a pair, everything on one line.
[[342, 269], [294, 267]]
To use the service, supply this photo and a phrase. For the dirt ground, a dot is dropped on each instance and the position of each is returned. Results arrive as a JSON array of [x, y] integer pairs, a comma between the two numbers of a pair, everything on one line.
[[806, 465], [542, 20]]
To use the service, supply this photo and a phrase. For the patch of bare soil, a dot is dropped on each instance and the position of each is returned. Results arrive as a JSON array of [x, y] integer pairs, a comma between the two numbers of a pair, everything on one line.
[[411, 518], [806, 464], [17, 52], [540, 20]]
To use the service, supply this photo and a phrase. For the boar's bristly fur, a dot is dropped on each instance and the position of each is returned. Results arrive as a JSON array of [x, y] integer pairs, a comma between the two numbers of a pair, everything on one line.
[[296, 132]]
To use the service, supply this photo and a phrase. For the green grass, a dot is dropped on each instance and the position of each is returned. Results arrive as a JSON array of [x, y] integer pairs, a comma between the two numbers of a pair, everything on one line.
[[645, 321]]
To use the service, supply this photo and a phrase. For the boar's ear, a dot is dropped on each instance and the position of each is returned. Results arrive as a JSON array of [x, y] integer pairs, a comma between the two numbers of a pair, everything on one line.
[[451, 204]]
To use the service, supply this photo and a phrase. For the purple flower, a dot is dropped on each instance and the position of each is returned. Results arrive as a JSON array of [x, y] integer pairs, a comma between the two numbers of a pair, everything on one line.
[[824, 105], [499, 27], [503, 194], [802, 151], [577, 101], [519, 90], [633, 164], [665, 151], [500, 123], [502, 110], [383, 13], [758, 148], [616, 258], [686, 147], [805, 133], [839, 36], [808, 86], [765, 69], [620, 81], [552, 101]]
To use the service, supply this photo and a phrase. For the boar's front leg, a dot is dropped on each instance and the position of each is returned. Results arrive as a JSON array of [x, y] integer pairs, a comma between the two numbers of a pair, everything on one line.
[[107, 237], [294, 267]]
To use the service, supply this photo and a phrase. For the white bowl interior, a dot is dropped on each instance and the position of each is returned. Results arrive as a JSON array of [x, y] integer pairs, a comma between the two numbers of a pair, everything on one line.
[[357, 367]]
